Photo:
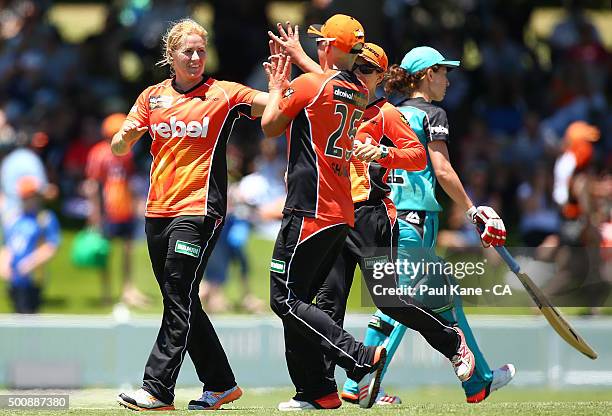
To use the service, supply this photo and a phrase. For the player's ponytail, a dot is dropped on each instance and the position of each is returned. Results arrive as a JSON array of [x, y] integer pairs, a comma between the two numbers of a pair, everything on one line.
[[399, 81], [175, 34]]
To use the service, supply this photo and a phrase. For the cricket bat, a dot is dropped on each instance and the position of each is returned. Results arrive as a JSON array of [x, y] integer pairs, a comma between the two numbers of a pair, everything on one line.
[[552, 315]]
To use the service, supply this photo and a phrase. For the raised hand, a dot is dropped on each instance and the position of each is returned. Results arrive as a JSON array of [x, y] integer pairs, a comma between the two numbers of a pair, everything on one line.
[[131, 131], [288, 39], [278, 69], [288, 43]]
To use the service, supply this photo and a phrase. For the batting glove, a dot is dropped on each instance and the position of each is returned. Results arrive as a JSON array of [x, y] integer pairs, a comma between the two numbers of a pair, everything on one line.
[[489, 225]]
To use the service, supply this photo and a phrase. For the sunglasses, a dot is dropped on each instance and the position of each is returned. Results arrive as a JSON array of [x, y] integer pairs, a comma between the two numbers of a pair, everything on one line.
[[367, 69]]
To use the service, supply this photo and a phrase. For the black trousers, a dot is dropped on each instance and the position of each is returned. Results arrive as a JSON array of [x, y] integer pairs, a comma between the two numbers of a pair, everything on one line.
[[304, 253], [179, 249], [374, 238], [26, 299]]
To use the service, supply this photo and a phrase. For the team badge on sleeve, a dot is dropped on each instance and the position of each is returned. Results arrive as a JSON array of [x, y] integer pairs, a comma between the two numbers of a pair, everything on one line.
[[439, 130]]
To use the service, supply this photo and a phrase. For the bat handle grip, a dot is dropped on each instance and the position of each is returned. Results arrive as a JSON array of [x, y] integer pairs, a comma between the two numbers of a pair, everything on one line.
[[505, 254]]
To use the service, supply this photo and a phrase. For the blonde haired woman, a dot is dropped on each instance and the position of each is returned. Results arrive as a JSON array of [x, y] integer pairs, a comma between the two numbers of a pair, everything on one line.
[[189, 117]]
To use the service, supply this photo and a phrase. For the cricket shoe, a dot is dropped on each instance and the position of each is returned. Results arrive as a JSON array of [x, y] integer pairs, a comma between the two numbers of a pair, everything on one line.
[[463, 362], [212, 400], [501, 376], [384, 399], [142, 400], [350, 397], [369, 385], [330, 401]]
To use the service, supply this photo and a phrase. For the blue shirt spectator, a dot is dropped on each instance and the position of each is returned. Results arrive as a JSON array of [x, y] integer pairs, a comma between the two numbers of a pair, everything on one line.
[[31, 240], [23, 237]]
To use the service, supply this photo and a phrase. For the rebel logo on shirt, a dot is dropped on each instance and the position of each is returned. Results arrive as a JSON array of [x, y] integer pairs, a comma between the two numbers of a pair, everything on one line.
[[350, 96], [288, 92], [178, 128]]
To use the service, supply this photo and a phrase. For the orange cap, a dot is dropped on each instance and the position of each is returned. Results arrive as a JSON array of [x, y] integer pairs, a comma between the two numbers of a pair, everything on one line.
[[579, 137], [581, 130], [375, 55], [112, 124], [345, 33], [27, 186]]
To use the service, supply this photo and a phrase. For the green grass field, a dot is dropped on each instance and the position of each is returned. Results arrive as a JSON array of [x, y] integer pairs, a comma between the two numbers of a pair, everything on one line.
[[424, 401]]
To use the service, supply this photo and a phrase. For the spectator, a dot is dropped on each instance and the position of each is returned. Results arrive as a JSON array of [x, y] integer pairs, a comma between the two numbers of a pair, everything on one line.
[[230, 247], [577, 265], [23, 254], [539, 217], [567, 33], [22, 161], [112, 207]]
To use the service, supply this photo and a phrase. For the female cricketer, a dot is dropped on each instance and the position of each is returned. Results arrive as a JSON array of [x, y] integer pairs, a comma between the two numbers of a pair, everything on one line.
[[421, 79], [189, 117]]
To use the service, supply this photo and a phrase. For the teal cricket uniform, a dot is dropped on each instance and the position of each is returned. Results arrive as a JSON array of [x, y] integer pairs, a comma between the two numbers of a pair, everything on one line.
[[414, 196]]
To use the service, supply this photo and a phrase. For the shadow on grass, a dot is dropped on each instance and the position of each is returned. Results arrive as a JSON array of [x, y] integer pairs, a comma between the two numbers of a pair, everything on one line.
[[55, 301]]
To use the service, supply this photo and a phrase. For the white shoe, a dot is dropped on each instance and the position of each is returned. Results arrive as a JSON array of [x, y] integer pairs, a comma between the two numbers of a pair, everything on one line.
[[502, 376], [384, 399], [463, 361], [142, 400], [295, 405]]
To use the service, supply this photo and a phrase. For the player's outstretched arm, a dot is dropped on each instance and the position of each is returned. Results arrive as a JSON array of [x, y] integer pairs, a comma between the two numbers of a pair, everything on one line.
[[288, 43], [259, 104]]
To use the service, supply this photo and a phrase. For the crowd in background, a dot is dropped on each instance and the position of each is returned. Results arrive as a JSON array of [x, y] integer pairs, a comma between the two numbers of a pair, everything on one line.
[[508, 106]]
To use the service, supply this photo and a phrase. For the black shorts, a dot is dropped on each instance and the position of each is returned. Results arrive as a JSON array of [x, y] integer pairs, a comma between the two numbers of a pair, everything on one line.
[[123, 230]]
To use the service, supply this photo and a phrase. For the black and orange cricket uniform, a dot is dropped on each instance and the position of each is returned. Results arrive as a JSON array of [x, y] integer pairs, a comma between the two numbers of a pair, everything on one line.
[[325, 111], [375, 234], [184, 215], [190, 131]]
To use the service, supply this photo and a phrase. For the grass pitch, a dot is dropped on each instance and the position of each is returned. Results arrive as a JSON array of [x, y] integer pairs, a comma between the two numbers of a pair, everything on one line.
[[423, 401]]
